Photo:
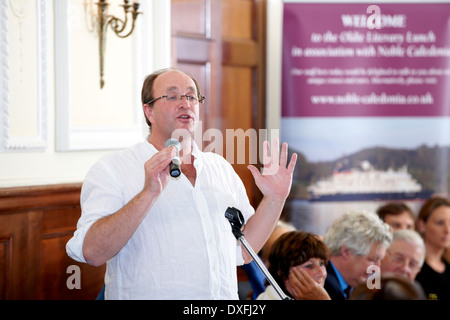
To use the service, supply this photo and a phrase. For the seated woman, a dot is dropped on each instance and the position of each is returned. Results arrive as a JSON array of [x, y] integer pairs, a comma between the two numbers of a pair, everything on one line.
[[433, 224], [297, 262]]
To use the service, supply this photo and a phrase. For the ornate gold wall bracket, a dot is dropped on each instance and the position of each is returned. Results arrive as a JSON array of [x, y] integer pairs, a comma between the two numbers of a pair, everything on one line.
[[121, 27]]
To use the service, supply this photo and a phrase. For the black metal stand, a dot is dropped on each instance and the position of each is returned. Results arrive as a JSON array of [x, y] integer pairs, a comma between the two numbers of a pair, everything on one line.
[[236, 220]]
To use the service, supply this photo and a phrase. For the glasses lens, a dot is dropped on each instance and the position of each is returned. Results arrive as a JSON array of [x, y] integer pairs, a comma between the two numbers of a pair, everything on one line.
[[191, 98], [173, 97]]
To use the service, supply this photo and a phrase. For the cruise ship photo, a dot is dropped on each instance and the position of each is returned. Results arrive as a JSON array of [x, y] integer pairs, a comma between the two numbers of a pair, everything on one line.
[[364, 182]]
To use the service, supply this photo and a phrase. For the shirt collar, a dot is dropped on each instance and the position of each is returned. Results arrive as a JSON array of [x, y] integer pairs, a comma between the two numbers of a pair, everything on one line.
[[198, 159], [195, 150]]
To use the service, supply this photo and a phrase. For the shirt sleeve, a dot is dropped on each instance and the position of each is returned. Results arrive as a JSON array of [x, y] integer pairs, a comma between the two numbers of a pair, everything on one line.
[[99, 198]]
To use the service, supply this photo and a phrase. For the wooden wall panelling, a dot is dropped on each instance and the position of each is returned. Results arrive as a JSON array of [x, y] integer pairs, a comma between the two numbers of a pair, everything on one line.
[[225, 48], [34, 254], [13, 256], [243, 80], [35, 225], [196, 50]]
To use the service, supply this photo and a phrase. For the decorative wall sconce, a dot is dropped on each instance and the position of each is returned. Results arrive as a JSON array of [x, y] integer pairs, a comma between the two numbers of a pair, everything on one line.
[[100, 21]]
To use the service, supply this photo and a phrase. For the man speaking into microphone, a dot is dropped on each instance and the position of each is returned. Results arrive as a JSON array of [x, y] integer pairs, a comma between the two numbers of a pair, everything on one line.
[[166, 238]]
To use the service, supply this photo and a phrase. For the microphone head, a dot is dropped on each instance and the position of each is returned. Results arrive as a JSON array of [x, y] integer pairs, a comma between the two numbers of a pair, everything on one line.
[[173, 143], [174, 168]]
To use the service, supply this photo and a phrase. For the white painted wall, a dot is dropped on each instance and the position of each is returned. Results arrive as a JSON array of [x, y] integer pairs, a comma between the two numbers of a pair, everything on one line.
[[31, 88]]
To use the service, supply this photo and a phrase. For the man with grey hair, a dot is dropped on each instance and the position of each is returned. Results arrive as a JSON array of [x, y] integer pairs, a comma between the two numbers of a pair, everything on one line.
[[406, 254], [357, 240]]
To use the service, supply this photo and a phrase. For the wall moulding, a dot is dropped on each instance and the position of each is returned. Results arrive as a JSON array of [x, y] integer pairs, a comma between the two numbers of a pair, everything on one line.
[[88, 117], [18, 67]]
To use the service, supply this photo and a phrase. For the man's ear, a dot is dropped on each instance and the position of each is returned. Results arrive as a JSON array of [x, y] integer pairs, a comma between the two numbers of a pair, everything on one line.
[[148, 111], [345, 252]]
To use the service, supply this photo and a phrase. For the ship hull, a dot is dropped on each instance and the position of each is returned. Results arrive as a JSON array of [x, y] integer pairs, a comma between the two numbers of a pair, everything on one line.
[[373, 196]]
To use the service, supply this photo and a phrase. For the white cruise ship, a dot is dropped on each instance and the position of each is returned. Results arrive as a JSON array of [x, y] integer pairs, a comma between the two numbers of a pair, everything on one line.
[[367, 183]]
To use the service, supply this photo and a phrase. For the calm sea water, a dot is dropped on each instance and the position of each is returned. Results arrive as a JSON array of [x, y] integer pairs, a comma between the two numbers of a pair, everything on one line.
[[316, 217]]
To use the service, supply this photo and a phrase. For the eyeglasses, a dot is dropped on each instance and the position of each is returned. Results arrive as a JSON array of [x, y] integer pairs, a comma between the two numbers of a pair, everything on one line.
[[178, 97], [401, 260]]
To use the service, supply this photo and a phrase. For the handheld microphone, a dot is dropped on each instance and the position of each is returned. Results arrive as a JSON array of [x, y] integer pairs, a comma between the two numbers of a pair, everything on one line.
[[174, 167]]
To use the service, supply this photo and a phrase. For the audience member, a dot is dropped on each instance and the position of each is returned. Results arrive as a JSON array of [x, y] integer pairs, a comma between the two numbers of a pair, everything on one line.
[[256, 282], [397, 215], [392, 287], [357, 241], [405, 255], [297, 263], [434, 225], [280, 229], [255, 276]]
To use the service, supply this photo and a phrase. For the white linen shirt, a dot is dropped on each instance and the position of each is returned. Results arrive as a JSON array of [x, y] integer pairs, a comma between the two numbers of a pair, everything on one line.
[[184, 247]]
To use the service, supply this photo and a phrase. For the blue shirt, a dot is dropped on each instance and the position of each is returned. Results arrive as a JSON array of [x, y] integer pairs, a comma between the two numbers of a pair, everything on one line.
[[341, 280]]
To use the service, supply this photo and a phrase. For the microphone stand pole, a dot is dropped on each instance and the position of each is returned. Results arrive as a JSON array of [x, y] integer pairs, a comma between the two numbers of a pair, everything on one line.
[[235, 217]]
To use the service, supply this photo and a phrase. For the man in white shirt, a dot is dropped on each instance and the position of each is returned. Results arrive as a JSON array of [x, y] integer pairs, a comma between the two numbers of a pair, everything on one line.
[[164, 238]]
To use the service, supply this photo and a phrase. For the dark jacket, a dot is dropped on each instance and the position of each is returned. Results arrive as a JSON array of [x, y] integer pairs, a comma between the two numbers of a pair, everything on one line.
[[332, 284]]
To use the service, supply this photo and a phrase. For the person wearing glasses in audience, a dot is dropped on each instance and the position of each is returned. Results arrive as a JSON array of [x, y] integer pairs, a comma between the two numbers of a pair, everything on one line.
[[405, 255], [169, 239]]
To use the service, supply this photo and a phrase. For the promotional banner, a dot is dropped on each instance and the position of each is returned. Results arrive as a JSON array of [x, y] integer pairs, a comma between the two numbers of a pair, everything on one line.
[[366, 101]]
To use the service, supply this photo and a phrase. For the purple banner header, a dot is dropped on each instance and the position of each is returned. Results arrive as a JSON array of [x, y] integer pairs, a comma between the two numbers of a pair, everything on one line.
[[348, 60]]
